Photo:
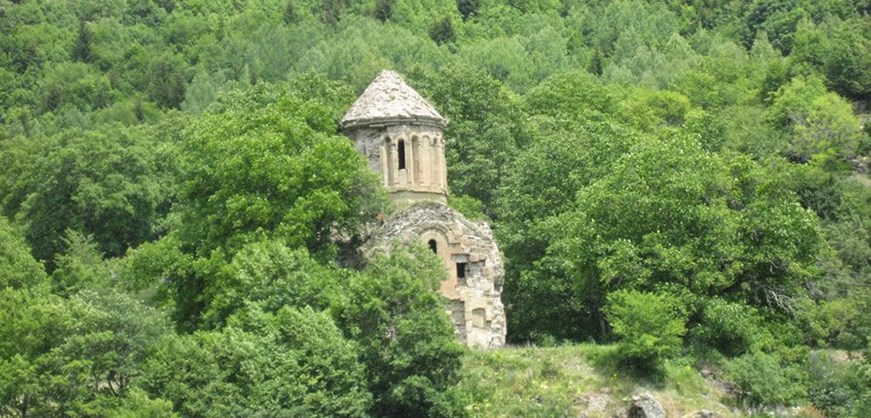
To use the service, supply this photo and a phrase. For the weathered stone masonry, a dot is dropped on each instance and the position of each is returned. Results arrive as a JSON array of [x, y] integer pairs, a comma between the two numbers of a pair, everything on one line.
[[475, 271], [401, 136]]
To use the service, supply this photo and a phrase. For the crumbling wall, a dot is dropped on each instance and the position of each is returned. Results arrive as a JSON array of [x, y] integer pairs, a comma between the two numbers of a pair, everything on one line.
[[472, 260]]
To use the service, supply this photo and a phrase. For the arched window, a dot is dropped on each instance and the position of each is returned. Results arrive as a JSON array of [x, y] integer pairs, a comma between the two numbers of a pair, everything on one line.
[[433, 246], [400, 149]]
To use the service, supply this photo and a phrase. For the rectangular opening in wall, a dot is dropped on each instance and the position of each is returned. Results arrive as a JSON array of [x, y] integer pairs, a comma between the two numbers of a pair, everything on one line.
[[461, 274], [400, 149]]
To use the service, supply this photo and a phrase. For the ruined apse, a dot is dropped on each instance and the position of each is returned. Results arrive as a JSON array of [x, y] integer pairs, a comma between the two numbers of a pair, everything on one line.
[[402, 137]]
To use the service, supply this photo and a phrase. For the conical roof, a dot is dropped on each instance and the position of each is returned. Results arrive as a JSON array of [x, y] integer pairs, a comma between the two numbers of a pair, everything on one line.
[[388, 99]]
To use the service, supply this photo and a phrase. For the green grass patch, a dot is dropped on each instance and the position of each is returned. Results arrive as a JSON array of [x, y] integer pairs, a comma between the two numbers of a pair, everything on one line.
[[571, 380]]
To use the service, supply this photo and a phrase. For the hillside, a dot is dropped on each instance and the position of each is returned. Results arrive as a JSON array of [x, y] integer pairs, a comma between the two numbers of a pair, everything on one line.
[[682, 182], [586, 380], [577, 380]]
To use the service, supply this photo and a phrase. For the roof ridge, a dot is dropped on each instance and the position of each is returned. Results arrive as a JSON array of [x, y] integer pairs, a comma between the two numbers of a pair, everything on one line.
[[389, 98]]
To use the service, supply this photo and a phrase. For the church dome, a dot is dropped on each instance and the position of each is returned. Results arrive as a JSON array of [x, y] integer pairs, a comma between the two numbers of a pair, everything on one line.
[[389, 100]]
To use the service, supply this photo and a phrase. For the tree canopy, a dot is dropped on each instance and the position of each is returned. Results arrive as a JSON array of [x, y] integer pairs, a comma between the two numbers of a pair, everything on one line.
[[179, 216]]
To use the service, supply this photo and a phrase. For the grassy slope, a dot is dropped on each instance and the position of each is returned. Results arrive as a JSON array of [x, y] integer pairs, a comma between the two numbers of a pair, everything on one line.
[[575, 380]]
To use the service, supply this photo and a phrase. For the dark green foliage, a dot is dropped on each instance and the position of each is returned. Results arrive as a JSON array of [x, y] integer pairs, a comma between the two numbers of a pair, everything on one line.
[[265, 163], [711, 164], [839, 388], [76, 85], [468, 8], [113, 341], [263, 195], [838, 50], [82, 51], [261, 164], [778, 19], [284, 364], [483, 133], [270, 275], [408, 347], [331, 11], [291, 16], [687, 211], [167, 80], [442, 31], [113, 182], [543, 185], [77, 356], [150, 268], [383, 9], [767, 379], [731, 328]]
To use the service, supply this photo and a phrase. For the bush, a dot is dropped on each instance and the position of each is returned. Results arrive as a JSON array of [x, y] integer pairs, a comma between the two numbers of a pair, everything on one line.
[[840, 389], [648, 324], [470, 207], [766, 380], [731, 328], [442, 31], [295, 362]]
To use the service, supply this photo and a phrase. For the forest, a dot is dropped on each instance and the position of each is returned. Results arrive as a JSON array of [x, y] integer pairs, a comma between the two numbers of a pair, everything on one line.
[[685, 180]]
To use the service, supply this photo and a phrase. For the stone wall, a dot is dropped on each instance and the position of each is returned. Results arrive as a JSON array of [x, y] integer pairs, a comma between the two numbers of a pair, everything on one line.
[[410, 158], [472, 260]]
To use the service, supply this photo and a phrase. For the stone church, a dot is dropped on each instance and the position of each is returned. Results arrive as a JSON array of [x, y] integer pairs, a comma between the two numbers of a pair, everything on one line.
[[402, 137]]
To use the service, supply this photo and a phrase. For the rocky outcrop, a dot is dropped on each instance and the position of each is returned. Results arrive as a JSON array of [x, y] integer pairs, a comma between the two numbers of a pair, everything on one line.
[[644, 405]]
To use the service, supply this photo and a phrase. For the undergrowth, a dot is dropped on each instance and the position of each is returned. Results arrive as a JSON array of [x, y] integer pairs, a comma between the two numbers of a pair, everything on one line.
[[572, 380]]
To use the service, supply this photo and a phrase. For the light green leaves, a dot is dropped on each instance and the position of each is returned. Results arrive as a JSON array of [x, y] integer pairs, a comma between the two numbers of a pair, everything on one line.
[[650, 326]]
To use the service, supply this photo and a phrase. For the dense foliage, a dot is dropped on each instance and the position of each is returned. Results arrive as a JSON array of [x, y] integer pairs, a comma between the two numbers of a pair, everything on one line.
[[178, 212]]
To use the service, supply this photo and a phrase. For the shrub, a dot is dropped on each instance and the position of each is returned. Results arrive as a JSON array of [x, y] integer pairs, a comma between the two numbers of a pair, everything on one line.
[[442, 31], [766, 380], [731, 328], [840, 389], [648, 324]]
